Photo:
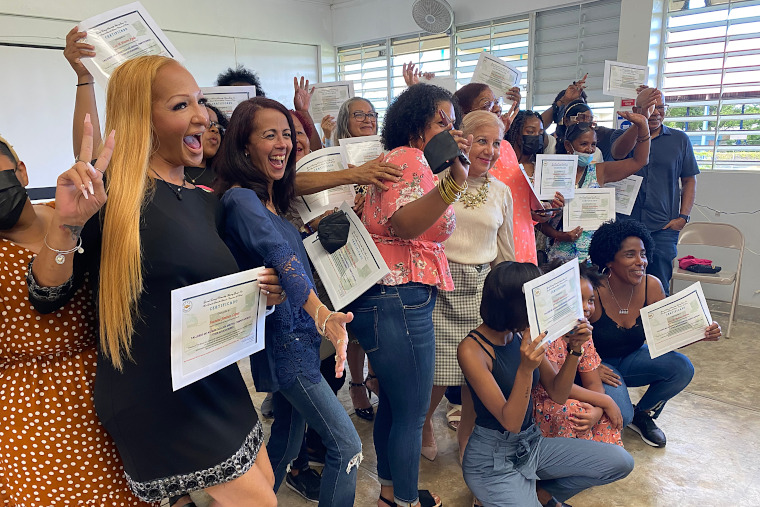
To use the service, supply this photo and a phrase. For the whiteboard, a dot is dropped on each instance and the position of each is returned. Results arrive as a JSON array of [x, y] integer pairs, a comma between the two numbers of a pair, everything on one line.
[[38, 89]]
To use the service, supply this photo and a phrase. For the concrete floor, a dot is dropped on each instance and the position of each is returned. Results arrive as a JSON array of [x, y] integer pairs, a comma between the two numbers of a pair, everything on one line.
[[713, 429]]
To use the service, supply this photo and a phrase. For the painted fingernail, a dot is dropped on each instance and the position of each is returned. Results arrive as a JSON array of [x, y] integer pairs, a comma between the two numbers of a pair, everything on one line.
[[92, 170], [89, 185], [84, 191], [87, 117]]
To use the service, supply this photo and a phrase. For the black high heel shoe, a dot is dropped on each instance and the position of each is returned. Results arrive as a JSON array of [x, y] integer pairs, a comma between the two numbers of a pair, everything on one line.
[[368, 414], [370, 391]]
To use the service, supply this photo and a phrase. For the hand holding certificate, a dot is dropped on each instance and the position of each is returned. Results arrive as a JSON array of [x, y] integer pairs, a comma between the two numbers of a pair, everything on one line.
[[328, 97], [554, 302], [311, 206], [622, 79], [678, 320], [121, 34], [496, 73], [589, 209], [352, 269], [214, 324], [555, 173]]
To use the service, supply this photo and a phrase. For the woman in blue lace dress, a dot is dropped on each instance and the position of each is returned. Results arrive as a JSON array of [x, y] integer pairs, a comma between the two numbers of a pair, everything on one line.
[[256, 171]]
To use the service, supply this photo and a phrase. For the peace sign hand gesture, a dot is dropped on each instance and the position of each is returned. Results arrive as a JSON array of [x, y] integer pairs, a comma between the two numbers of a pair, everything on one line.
[[80, 191]]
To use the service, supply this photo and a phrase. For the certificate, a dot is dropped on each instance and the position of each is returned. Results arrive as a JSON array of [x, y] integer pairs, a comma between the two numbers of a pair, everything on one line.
[[122, 34], [535, 202], [360, 150], [554, 302], [625, 193], [622, 79], [555, 173], [324, 160], [589, 209], [214, 324], [676, 321], [445, 82], [226, 98], [348, 272], [496, 73], [328, 97]]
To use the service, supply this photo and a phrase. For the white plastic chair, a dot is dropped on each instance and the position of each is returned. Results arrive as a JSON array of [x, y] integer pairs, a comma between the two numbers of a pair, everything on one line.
[[718, 235]]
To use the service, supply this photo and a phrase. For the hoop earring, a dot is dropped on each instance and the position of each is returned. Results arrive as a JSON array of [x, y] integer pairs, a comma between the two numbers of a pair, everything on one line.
[[606, 271]]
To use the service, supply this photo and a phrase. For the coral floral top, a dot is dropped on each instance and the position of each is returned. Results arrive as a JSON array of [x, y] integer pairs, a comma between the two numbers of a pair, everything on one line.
[[507, 170], [410, 260]]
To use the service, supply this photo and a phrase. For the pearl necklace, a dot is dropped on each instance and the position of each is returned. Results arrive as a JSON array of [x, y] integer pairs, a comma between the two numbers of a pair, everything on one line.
[[475, 201]]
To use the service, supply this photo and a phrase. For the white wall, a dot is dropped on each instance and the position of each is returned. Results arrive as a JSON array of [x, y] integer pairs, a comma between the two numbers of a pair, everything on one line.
[[38, 85]]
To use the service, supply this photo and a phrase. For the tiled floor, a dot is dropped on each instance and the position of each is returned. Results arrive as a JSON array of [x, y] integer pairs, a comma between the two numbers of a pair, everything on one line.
[[713, 429]]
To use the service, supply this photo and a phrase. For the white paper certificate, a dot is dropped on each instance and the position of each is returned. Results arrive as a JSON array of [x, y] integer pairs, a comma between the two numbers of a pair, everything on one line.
[[360, 150], [625, 193], [555, 173], [622, 79], [324, 160], [676, 321], [496, 73], [445, 82], [535, 202], [121, 34], [226, 98], [554, 302], [348, 272], [214, 324], [328, 97], [589, 209]]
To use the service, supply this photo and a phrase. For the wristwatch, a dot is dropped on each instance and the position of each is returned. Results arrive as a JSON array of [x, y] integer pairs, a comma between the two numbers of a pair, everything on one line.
[[685, 217], [574, 353]]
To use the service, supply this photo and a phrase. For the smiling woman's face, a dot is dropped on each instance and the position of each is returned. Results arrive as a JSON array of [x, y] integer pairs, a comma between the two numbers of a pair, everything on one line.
[[270, 143]]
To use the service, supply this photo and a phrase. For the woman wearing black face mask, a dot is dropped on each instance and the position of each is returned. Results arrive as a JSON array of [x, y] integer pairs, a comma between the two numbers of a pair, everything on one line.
[[526, 135], [51, 358]]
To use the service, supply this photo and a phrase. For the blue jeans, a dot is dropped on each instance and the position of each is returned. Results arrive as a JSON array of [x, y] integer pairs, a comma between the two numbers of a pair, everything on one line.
[[666, 376], [304, 402], [501, 469], [661, 260], [394, 325]]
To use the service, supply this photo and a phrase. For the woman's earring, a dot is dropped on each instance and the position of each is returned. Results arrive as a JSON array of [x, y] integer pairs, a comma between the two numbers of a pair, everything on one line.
[[246, 154]]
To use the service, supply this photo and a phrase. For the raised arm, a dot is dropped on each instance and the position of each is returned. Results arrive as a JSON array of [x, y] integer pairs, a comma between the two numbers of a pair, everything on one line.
[[373, 172], [510, 412], [620, 169], [558, 384], [85, 95], [645, 102], [301, 103]]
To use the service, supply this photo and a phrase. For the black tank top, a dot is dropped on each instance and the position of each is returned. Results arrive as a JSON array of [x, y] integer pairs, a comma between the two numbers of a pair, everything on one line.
[[612, 340], [506, 359]]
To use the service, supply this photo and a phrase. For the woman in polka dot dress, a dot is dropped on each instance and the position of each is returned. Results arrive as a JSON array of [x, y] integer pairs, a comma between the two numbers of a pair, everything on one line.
[[53, 449]]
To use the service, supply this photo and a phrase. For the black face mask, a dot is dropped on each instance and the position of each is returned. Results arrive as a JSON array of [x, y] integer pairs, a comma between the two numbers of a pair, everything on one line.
[[532, 144], [13, 198]]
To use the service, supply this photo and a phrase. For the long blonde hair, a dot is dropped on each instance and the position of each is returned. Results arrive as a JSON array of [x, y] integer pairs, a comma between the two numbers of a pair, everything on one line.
[[128, 112]]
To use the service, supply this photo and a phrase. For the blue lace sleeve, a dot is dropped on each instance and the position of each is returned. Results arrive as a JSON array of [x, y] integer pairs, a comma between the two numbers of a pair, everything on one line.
[[257, 231]]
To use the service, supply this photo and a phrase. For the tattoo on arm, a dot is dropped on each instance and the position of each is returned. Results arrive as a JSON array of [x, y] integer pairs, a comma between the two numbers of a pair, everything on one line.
[[74, 230]]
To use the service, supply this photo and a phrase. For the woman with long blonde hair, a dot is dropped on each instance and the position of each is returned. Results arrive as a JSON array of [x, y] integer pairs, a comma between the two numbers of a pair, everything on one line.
[[156, 234]]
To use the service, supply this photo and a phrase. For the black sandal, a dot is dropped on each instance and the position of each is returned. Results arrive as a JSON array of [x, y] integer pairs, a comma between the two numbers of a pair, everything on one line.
[[427, 500], [368, 414], [388, 502]]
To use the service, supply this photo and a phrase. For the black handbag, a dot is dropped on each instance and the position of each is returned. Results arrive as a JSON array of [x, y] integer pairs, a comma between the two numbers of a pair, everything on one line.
[[333, 231], [441, 151]]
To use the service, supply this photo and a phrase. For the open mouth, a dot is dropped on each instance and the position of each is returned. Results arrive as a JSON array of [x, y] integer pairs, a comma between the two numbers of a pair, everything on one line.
[[193, 141], [277, 161]]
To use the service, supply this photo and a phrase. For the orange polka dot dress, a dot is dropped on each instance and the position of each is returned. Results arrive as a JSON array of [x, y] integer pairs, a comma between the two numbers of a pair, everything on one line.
[[53, 449]]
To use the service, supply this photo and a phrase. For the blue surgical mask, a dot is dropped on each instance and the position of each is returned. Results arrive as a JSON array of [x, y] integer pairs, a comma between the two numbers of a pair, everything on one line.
[[584, 159]]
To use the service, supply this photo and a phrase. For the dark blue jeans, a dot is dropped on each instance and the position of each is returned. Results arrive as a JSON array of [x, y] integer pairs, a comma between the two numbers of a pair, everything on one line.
[[304, 402], [394, 325], [661, 260], [666, 376]]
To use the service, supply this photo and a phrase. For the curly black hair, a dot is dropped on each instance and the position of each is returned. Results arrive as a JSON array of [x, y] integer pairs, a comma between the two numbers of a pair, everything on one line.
[[609, 237], [411, 111], [514, 135], [221, 118], [233, 77]]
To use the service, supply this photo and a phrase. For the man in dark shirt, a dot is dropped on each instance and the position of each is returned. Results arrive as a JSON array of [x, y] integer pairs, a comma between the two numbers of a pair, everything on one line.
[[668, 190]]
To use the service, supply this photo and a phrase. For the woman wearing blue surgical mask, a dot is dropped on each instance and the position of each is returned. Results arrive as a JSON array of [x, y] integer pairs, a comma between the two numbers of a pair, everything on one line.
[[580, 139]]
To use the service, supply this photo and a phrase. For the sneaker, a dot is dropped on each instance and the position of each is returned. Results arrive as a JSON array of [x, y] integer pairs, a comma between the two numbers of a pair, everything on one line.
[[266, 407], [306, 484], [644, 425]]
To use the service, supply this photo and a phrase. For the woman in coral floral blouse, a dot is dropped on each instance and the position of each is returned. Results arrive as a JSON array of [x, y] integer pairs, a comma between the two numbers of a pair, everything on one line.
[[393, 320]]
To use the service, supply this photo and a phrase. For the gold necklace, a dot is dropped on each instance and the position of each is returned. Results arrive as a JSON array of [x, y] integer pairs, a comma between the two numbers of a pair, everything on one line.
[[475, 201]]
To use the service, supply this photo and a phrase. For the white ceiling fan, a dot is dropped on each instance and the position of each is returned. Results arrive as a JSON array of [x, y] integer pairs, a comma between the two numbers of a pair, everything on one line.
[[433, 16]]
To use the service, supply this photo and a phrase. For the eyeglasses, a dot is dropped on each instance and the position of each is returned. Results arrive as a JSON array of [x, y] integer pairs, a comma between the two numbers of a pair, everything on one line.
[[218, 127], [361, 116]]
